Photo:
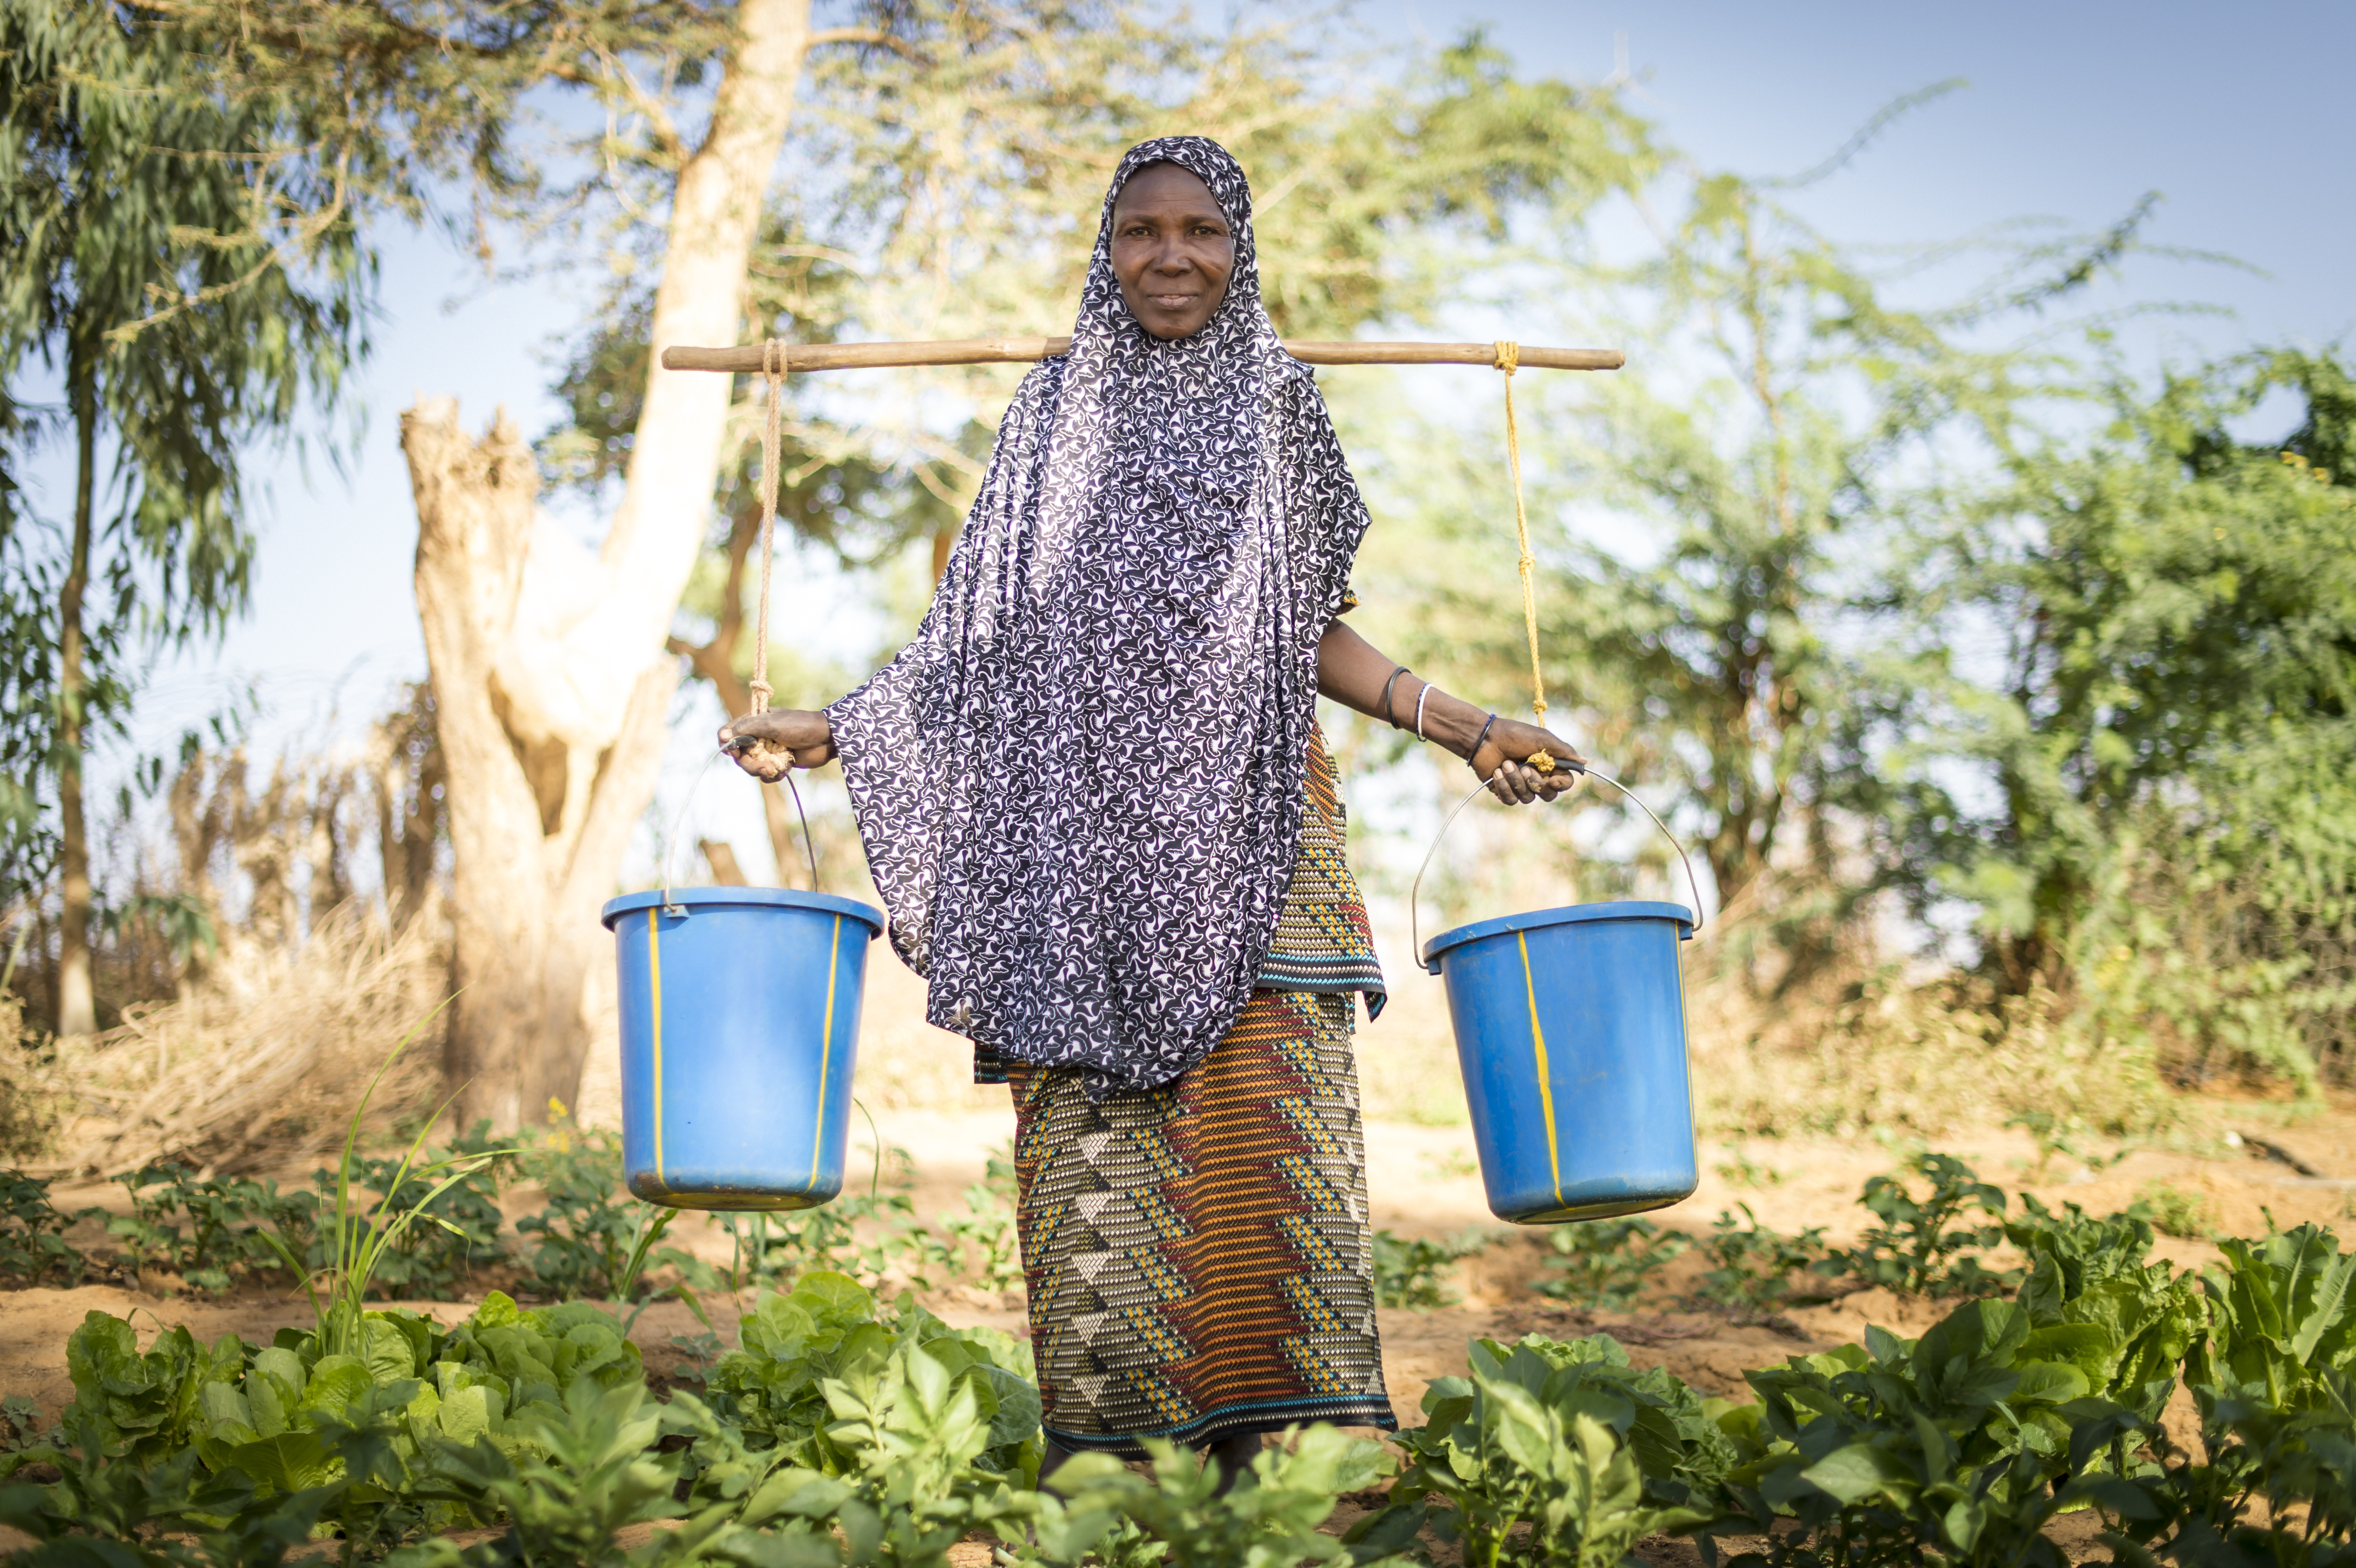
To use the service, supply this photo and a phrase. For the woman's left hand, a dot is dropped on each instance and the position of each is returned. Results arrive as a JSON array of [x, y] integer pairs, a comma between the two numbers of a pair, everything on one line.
[[1504, 761]]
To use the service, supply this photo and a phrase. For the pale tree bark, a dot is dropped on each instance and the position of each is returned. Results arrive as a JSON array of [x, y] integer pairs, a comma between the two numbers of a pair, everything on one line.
[[552, 681], [76, 999]]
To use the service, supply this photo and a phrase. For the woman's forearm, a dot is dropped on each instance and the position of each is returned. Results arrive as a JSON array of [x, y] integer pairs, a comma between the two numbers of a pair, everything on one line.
[[1353, 672], [1519, 762]]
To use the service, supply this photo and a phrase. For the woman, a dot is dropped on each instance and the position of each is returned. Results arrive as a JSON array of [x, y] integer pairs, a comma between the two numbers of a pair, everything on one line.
[[1095, 801]]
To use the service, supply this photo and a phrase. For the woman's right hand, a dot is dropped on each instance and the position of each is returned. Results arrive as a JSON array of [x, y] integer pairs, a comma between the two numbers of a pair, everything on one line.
[[766, 744]]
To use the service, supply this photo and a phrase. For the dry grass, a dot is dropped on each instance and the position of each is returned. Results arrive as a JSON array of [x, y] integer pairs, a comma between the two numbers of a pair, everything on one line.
[[1855, 1045], [265, 1060]]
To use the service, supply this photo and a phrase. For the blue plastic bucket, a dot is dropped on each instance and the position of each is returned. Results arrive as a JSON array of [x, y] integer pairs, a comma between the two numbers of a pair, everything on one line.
[[740, 1029], [1570, 1031]]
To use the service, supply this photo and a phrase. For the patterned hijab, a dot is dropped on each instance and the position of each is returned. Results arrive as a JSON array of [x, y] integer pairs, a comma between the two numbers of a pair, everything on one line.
[[1080, 788]]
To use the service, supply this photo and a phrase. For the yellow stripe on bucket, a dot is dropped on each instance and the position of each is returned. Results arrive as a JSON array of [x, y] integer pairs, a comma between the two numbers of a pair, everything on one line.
[[1537, 1045], [825, 1046], [654, 984]]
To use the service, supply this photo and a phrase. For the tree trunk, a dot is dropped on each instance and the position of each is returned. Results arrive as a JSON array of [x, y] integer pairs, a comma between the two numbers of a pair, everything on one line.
[[77, 1002], [550, 679]]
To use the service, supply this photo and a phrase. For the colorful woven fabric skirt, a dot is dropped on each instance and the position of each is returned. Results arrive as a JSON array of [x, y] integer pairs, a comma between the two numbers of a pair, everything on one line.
[[1198, 1255]]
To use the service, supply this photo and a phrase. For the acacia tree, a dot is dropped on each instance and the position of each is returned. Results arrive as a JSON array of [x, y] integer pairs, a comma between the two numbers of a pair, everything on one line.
[[189, 292]]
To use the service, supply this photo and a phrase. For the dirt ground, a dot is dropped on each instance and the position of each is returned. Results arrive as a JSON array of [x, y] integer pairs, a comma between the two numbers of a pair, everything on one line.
[[1424, 1182]]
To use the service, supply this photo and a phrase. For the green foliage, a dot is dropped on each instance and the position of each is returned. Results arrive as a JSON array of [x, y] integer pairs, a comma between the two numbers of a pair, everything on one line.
[[2174, 1211], [195, 292], [210, 1230], [593, 1241], [359, 1244], [1557, 1452], [2280, 1319], [986, 1232], [836, 1436], [33, 1241], [1962, 1443], [1414, 1274], [457, 1228], [795, 1349], [1751, 1267], [578, 1476], [1606, 1263], [1925, 1245], [1180, 1516], [2169, 737]]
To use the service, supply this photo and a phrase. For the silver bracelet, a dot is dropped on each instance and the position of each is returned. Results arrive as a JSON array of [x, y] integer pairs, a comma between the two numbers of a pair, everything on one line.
[[1418, 709]]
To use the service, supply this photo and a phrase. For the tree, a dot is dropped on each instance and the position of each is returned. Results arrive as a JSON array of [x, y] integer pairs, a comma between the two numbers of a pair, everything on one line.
[[190, 293], [2171, 605]]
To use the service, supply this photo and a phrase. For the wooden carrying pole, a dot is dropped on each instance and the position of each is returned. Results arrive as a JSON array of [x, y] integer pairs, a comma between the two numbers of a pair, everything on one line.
[[1014, 350]]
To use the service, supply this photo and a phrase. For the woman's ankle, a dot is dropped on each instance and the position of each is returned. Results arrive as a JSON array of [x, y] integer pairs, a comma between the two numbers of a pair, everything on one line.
[[1233, 1455]]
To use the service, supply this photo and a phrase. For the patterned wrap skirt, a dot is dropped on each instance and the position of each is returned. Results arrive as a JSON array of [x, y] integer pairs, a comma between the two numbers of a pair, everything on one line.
[[1199, 1256]]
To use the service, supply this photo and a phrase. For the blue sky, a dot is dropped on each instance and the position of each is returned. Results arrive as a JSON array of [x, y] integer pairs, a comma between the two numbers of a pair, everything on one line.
[[2239, 116]]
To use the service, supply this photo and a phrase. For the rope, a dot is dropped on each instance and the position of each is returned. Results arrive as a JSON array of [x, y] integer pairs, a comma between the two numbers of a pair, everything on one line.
[[773, 371], [1509, 358]]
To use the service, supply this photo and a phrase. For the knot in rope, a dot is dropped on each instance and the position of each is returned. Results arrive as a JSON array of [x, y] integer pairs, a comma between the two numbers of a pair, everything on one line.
[[1509, 358], [772, 374]]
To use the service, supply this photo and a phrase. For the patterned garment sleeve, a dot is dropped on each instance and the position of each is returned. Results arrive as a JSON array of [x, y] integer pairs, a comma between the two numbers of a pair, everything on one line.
[[899, 733]]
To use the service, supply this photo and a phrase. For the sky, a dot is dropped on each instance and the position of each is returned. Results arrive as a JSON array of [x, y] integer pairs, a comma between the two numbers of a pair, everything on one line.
[[2238, 116]]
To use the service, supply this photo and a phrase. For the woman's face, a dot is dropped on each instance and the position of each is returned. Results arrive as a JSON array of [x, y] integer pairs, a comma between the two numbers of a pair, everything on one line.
[[1171, 251]]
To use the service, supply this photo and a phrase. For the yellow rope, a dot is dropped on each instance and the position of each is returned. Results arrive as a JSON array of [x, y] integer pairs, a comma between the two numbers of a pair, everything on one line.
[[1509, 358], [773, 371]]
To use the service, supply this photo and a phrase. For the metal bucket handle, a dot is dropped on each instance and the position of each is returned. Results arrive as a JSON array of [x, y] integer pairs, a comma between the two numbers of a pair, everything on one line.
[[679, 825], [1415, 894]]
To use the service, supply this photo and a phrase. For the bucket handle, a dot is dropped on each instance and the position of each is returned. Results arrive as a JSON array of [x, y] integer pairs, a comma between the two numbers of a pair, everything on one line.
[[679, 825], [1414, 897]]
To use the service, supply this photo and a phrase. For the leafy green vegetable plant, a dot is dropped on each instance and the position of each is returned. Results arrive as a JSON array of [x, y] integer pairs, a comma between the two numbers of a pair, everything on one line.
[[1178, 1516], [1752, 1268], [1926, 1245], [208, 1230], [1607, 1263], [1557, 1454], [33, 1243], [577, 1478], [1963, 1445], [1414, 1272], [775, 1386]]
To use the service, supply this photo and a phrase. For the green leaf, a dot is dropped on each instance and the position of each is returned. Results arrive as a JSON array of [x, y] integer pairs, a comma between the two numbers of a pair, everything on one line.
[[2048, 1383], [388, 1354], [499, 1310], [470, 1413], [1852, 1474], [286, 1462], [224, 1403], [284, 1365], [335, 1383], [835, 1301]]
